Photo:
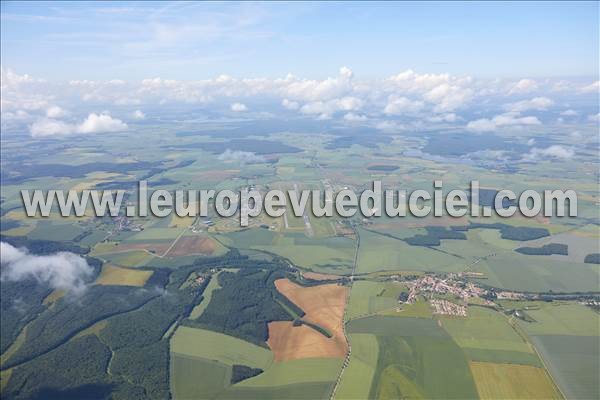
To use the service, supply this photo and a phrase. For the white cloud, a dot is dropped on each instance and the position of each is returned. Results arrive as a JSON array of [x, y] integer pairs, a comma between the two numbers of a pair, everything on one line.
[[245, 157], [100, 123], [94, 123], [239, 107], [448, 97], [352, 117], [450, 117], [62, 271], [502, 120], [325, 109], [50, 127], [594, 117], [10, 79], [290, 105], [138, 114], [591, 88], [523, 86], [537, 103], [569, 113], [402, 105], [554, 151], [55, 112]]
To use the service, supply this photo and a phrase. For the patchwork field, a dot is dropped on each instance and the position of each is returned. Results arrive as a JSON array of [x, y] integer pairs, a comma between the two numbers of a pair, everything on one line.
[[113, 275], [202, 362]]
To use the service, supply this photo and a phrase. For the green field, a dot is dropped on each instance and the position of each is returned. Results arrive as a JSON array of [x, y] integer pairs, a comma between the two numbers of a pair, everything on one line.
[[567, 336], [309, 370], [380, 253], [485, 329], [417, 359], [358, 376], [217, 346], [369, 297], [207, 295], [195, 377], [327, 254]]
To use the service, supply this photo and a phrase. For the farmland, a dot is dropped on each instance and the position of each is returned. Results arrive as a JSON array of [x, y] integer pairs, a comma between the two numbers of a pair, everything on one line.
[[301, 307]]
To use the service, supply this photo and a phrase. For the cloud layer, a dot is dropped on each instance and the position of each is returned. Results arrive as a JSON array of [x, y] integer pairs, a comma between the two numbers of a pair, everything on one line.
[[407, 100]]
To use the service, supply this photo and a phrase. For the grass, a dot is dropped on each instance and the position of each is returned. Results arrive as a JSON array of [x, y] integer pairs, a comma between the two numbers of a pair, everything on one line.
[[416, 359], [378, 253], [364, 298], [207, 295], [58, 231], [567, 337], [421, 366], [194, 378], [113, 275], [155, 234], [327, 255], [419, 309], [298, 391], [485, 329], [358, 376], [220, 347], [562, 318], [502, 356], [135, 258], [515, 271], [509, 381], [296, 371], [386, 326]]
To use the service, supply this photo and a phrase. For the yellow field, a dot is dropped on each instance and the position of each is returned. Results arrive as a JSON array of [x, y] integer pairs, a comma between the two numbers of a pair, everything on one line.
[[95, 178], [4, 377], [93, 330], [53, 297], [112, 275], [511, 381], [183, 222]]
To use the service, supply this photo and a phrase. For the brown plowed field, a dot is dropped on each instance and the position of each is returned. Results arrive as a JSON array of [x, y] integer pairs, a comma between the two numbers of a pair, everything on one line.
[[324, 306]]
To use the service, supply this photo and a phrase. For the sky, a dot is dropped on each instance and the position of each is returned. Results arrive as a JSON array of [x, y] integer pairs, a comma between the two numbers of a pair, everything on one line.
[[84, 68], [199, 40]]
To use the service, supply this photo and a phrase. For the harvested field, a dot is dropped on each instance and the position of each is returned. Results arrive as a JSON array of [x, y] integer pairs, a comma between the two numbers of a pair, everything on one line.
[[316, 276], [290, 342], [324, 306], [113, 275], [190, 245]]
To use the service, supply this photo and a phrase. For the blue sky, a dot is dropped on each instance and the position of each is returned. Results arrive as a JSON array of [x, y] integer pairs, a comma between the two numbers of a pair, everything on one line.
[[131, 41]]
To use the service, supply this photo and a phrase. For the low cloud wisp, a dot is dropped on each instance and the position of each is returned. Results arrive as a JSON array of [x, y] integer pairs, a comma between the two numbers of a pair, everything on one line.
[[63, 270]]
